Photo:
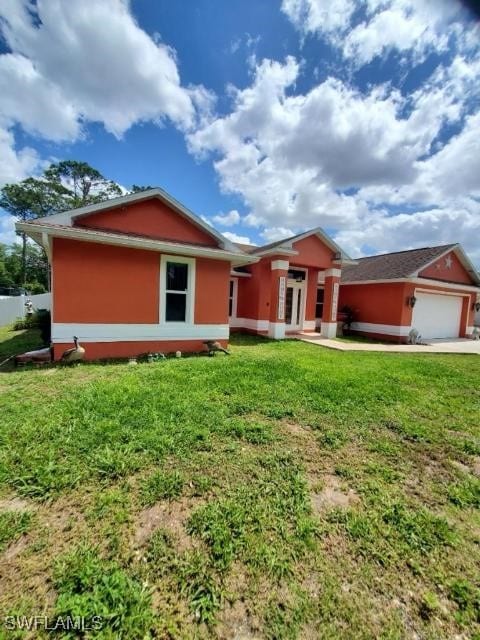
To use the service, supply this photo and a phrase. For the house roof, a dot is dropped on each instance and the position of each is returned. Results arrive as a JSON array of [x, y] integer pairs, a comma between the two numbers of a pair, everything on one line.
[[67, 218], [403, 264], [285, 246], [41, 231]]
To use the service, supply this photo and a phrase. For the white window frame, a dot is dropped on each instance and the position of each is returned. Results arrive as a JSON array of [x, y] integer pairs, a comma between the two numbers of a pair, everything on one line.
[[234, 297], [189, 294]]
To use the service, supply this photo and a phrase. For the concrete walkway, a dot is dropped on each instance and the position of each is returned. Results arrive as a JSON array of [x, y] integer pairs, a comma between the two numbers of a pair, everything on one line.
[[460, 345]]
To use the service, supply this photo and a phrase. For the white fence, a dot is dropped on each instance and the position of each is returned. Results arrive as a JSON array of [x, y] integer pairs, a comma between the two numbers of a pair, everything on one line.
[[13, 307]]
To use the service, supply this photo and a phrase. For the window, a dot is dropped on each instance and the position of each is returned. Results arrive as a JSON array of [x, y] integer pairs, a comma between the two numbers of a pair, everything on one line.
[[232, 299], [177, 283], [296, 274], [319, 303]]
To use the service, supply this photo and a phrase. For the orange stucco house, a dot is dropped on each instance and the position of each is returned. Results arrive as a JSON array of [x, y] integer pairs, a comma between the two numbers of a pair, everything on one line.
[[142, 273]]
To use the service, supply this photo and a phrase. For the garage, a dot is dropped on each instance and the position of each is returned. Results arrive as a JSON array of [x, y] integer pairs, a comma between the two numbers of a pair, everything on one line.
[[437, 316]]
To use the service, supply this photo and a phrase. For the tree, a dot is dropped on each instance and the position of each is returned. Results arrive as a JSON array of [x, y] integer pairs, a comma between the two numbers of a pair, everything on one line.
[[137, 188], [64, 185], [85, 185], [30, 199]]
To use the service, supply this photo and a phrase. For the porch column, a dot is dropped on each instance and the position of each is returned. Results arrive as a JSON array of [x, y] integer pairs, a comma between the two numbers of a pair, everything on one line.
[[330, 302], [278, 292]]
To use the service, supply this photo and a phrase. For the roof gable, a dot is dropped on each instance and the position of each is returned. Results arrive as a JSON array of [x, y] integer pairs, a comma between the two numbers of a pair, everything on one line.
[[448, 268], [414, 263], [148, 218], [287, 247], [77, 217]]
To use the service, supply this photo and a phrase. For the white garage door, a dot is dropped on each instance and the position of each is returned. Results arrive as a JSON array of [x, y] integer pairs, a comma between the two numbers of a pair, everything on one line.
[[437, 316]]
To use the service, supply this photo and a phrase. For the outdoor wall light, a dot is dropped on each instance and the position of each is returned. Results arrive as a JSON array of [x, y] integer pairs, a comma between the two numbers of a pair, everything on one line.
[[476, 306], [411, 301]]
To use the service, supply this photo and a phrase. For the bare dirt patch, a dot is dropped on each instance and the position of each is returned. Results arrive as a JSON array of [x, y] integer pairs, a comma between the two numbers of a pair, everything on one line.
[[476, 465], [332, 495], [15, 504], [170, 516]]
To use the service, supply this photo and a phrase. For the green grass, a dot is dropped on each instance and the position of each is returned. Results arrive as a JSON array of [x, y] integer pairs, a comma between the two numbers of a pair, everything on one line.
[[16, 342], [287, 492]]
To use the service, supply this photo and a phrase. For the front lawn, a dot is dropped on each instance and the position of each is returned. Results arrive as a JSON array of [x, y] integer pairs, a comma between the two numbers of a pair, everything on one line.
[[286, 491]]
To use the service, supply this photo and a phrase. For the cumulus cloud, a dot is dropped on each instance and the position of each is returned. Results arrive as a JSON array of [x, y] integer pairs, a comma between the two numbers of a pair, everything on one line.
[[228, 219], [233, 237], [340, 158], [76, 61], [7, 229], [365, 29]]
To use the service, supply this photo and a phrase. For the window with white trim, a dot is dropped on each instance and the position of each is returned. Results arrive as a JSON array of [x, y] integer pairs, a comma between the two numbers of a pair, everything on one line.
[[232, 298], [177, 288]]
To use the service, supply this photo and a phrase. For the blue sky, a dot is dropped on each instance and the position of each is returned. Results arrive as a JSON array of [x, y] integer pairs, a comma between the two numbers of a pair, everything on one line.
[[266, 118]]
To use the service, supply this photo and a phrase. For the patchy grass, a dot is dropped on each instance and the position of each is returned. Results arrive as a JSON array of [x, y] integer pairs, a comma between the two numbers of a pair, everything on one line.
[[285, 492]]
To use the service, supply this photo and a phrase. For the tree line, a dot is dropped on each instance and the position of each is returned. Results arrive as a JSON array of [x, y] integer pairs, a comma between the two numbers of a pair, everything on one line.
[[62, 186]]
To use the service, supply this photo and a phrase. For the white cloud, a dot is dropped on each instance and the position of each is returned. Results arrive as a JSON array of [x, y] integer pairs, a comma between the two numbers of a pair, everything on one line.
[[72, 61], [327, 16], [233, 237], [15, 164], [365, 29], [291, 157], [7, 229], [228, 219], [276, 233]]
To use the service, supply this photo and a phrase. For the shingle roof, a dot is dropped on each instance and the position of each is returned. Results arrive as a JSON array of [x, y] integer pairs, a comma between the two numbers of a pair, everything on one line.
[[388, 266], [246, 248]]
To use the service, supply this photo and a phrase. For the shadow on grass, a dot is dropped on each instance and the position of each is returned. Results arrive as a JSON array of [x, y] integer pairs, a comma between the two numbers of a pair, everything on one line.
[[13, 343]]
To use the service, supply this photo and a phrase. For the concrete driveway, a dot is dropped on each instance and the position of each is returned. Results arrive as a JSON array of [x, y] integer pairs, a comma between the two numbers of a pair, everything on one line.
[[460, 345]]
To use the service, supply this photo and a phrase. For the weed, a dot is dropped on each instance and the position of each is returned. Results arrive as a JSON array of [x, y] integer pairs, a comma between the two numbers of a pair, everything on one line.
[[467, 598], [12, 525], [465, 493], [102, 592], [161, 485]]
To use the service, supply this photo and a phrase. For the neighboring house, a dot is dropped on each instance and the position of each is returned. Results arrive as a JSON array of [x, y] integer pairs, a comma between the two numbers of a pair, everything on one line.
[[433, 290], [142, 274]]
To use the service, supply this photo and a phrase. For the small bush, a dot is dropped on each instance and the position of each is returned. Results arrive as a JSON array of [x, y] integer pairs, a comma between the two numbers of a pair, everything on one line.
[[160, 486]]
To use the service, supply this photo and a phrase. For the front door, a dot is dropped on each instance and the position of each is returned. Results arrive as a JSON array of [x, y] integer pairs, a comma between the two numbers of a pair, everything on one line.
[[294, 311]]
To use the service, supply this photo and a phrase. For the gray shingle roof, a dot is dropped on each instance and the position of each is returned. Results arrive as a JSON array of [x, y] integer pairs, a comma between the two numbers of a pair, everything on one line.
[[388, 266]]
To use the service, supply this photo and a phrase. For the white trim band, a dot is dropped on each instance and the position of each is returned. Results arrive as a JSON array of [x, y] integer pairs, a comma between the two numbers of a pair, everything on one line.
[[64, 331], [328, 329], [334, 273], [383, 329], [280, 264], [276, 330], [434, 284], [309, 325], [250, 323]]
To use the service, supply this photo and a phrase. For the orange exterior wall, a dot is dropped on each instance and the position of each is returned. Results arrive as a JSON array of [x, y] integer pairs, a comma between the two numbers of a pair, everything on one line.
[[439, 271], [104, 284], [150, 218], [312, 253], [386, 303], [253, 299], [377, 303], [100, 350], [211, 291]]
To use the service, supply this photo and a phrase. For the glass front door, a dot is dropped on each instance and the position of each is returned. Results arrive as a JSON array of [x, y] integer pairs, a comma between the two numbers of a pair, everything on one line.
[[294, 306]]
